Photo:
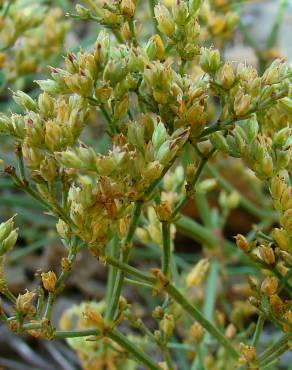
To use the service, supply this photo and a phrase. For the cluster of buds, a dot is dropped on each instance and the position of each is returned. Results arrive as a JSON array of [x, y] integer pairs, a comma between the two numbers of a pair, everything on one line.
[[87, 315], [267, 153], [42, 34], [180, 26]]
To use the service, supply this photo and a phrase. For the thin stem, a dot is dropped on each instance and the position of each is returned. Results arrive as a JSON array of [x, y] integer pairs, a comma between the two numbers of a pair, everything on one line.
[[244, 202], [133, 32], [197, 315], [112, 270], [125, 247], [138, 283], [166, 244], [140, 356], [194, 181], [196, 231], [273, 37], [258, 331], [210, 293], [183, 302], [275, 346], [152, 4], [19, 156], [131, 270]]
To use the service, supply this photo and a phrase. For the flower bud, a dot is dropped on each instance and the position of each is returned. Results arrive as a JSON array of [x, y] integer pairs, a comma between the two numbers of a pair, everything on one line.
[[281, 137], [210, 60], [83, 12], [6, 228], [269, 285], [167, 325], [128, 8], [121, 107], [196, 332], [164, 19], [24, 302], [225, 76], [251, 128], [242, 243], [49, 86], [48, 169], [159, 135], [155, 48], [49, 280], [194, 6], [198, 273], [163, 211], [219, 141], [267, 254], [180, 12], [9, 242], [46, 104], [24, 101], [282, 239], [242, 104], [286, 104]]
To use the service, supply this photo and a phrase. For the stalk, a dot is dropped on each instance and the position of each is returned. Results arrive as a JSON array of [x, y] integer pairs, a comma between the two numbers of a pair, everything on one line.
[[166, 255]]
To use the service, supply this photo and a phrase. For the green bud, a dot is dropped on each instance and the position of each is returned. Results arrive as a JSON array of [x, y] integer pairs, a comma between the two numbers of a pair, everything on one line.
[[159, 135], [136, 134], [194, 6], [180, 12], [219, 141], [6, 228], [266, 166], [281, 137], [115, 71], [5, 124], [164, 19], [9, 242], [83, 12], [251, 128], [24, 101], [121, 107], [49, 86], [286, 104], [225, 76], [210, 60], [48, 169], [46, 104], [68, 159]]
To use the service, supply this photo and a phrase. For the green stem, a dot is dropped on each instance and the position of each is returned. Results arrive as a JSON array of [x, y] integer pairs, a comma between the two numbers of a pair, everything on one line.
[[198, 316], [210, 294], [244, 202], [132, 31], [112, 270], [152, 4], [183, 302], [196, 231], [273, 37], [118, 338], [203, 162], [126, 248], [166, 255], [140, 356], [258, 331], [274, 347]]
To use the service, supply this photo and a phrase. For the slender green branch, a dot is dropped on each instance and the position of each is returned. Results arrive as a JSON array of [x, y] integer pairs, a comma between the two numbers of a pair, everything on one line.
[[166, 255], [125, 247], [194, 181], [258, 331], [244, 202], [198, 316], [140, 356], [273, 36]]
